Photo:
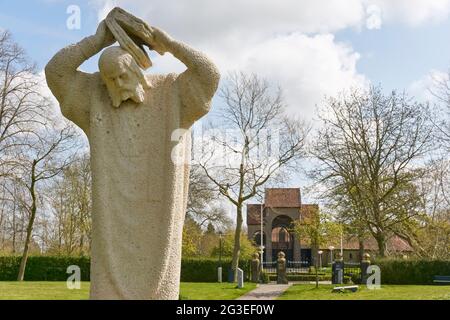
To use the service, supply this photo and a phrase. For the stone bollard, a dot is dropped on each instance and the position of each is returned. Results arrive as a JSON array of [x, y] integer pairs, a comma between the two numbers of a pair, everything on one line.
[[281, 269], [240, 274], [337, 276], [219, 274], [255, 268], [365, 263]]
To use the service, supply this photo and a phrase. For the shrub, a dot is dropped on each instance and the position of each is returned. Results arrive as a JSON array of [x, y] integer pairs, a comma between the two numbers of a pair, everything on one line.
[[265, 278], [53, 268], [42, 268], [419, 272]]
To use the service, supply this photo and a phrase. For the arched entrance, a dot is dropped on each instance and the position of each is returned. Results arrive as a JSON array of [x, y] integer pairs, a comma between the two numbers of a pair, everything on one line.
[[282, 239]]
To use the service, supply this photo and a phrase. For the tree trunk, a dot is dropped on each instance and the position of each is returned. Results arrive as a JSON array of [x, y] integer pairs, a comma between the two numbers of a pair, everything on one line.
[[361, 249], [237, 242], [381, 241], [23, 262]]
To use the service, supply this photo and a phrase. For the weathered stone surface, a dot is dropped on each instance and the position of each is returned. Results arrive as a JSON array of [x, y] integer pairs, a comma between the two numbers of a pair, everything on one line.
[[281, 269], [139, 191], [255, 268]]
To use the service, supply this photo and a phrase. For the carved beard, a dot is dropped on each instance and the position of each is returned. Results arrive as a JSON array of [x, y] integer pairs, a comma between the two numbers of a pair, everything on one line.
[[136, 94]]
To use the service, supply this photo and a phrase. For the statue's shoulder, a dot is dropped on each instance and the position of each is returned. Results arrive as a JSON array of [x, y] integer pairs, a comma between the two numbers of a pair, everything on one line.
[[161, 79]]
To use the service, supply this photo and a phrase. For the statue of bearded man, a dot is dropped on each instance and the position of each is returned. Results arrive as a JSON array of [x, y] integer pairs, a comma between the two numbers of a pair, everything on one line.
[[139, 192]]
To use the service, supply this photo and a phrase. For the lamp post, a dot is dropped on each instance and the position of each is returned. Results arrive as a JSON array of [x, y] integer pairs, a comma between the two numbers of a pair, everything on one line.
[[320, 258], [331, 253], [262, 237]]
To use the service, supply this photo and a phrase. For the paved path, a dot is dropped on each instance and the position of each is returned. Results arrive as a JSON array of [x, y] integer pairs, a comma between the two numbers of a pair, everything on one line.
[[265, 292]]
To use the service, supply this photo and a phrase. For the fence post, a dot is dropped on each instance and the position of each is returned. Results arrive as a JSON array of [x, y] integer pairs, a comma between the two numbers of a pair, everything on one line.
[[337, 268], [365, 263], [219, 274]]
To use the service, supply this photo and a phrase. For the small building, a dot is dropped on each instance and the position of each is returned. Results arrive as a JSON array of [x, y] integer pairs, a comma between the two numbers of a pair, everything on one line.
[[281, 208]]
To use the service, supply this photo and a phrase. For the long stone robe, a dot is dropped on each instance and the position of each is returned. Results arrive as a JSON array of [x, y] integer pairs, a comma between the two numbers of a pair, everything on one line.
[[139, 191]]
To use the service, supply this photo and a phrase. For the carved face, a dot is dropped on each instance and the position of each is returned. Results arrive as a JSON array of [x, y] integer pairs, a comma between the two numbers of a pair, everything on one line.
[[122, 76]]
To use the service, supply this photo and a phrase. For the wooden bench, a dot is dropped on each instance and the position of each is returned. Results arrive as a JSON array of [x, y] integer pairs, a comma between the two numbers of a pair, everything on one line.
[[441, 279], [343, 289]]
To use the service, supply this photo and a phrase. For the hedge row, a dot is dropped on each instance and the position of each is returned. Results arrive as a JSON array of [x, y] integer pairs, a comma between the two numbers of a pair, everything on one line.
[[41, 268], [420, 272]]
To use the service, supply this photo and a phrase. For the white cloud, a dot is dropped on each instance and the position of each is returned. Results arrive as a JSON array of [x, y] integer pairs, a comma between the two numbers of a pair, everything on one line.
[[412, 12], [307, 68], [422, 89], [289, 42]]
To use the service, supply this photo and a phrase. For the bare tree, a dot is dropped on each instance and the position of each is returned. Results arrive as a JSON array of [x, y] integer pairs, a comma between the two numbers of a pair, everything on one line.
[[69, 197], [258, 141], [203, 201], [369, 147], [49, 153], [21, 104], [441, 91], [432, 237]]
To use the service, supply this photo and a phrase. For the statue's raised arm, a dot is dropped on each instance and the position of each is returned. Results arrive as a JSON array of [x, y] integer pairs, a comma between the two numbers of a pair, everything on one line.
[[197, 84], [70, 86]]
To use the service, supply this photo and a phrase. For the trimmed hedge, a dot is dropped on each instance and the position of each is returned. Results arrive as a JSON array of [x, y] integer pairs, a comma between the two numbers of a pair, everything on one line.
[[205, 270], [419, 272], [42, 268], [53, 268]]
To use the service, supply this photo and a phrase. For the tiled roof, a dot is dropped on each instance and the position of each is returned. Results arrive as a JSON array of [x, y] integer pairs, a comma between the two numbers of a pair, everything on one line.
[[394, 244], [283, 198]]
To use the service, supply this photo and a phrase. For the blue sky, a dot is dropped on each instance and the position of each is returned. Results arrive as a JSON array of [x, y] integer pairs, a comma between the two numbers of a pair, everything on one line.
[[310, 48], [394, 56]]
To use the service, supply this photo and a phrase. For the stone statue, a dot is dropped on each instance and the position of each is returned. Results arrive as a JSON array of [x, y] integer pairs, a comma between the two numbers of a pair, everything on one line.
[[255, 268], [281, 269], [139, 192]]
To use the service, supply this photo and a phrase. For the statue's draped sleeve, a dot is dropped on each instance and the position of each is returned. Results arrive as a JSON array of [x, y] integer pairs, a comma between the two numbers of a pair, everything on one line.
[[71, 87], [197, 85]]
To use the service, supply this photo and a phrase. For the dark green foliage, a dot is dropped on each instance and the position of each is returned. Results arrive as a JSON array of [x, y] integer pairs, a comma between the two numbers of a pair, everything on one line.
[[264, 277], [419, 272], [205, 270], [41, 268]]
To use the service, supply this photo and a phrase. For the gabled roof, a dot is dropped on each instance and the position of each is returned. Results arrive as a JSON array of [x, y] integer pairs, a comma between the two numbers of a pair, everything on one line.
[[283, 198], [394, 244]]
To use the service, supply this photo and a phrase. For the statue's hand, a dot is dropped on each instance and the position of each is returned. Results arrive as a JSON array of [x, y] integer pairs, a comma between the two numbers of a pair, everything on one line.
[[161, 41], [104, 36]]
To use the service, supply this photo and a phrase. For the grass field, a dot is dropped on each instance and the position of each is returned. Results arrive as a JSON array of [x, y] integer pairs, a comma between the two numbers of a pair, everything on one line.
[[59, 291], [388, 292]]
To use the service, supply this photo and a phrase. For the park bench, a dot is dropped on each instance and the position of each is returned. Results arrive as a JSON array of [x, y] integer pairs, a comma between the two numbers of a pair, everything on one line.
[[441, 279], [343, 289]]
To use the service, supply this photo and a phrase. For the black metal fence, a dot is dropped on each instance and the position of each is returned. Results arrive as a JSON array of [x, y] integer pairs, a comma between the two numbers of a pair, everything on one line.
[[292, 267], [353, 270]]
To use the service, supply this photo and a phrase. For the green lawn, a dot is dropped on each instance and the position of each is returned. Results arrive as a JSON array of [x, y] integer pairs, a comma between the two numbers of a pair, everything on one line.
[[388, 292], [59, 291], [213, 291]]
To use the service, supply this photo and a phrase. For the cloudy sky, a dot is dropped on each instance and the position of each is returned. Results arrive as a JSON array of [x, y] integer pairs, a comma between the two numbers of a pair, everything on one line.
[[311, 48]]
